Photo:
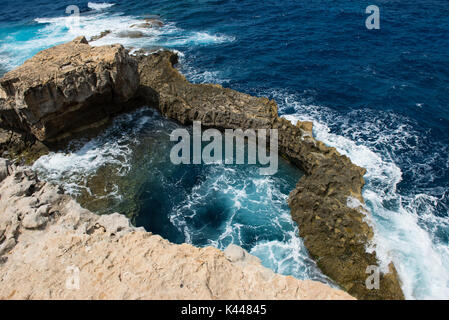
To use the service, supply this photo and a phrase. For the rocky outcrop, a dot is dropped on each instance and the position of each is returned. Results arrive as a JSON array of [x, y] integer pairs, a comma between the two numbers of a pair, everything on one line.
[[4, 167], [149, 23], [74, 86], [336, 235], [67, 88], [51, 248], [101, 35]]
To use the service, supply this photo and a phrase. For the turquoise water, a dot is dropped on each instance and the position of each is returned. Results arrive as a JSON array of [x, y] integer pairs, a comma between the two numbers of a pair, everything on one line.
[[380, 97], [205, 205]]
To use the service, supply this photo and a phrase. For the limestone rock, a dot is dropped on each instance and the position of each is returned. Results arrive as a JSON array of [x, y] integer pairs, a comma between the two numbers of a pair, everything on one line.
[[235, 253], [67, 88], [306, 126], [76, 254], [14, 145], [74, 86], [4, 163], [113, 223]]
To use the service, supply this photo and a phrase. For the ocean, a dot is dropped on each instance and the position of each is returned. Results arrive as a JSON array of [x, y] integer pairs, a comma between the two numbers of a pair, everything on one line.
[[381, 97]]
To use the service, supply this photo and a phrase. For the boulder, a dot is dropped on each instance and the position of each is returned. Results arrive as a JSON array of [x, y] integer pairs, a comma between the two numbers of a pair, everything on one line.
[[113, 223], [101, 35], [154, 22], [67, 88]]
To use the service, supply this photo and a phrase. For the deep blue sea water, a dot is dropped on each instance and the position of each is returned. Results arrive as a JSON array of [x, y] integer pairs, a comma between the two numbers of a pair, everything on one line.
[[379, 96]]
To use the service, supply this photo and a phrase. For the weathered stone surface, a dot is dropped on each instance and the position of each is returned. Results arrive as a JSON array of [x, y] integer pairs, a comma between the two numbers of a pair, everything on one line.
[[20, 146], [67, 88], [40, 258], [336, 236]]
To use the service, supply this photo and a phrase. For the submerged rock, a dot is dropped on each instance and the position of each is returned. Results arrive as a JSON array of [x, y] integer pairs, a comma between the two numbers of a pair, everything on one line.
[[67, 88], [335, 235], [101, 35], [46, 239]]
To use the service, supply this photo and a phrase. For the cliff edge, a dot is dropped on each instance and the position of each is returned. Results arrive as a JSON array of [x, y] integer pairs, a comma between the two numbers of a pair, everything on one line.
[[51, 248]]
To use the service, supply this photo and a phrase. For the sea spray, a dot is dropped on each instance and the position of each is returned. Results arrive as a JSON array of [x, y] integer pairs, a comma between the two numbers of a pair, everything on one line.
[[399, 235]]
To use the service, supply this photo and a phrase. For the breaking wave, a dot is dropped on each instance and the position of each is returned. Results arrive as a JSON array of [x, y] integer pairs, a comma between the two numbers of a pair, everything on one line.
[[405, 224]]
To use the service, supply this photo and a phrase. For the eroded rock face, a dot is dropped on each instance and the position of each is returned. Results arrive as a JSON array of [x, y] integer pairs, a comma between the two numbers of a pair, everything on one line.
[[47, 239], [335, 235], [67, 88]]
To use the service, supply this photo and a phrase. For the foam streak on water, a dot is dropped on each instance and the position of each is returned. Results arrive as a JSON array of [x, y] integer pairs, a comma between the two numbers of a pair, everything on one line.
[[72, 168], [47, 32], [256, 216]]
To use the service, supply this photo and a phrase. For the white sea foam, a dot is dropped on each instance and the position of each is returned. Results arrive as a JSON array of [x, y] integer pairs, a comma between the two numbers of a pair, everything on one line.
[[168, 35], [289, 258], [99, 6], [4, 59], [401, 222], [196, 38], [72, 169], [57, 30], [404, 224]]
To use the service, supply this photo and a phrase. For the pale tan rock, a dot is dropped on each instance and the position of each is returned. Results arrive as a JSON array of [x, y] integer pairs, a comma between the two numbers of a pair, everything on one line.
[[320, 197], [76, 254], [67, 88]]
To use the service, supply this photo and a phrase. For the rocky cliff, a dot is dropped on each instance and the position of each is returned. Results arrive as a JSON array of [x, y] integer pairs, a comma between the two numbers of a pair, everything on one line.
[[335, 235], [73, 86], [51, 248]]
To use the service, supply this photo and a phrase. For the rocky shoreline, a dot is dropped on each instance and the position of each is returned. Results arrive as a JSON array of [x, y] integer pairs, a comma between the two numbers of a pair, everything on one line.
[[82, 87], [47, 239]]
